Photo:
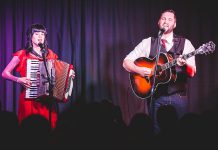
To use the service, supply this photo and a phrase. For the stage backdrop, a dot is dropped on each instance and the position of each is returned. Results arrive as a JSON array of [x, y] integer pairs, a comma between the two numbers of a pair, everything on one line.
[[96, 35]]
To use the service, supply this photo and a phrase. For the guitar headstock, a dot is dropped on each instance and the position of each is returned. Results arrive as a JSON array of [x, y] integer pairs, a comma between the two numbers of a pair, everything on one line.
[[206, 48]]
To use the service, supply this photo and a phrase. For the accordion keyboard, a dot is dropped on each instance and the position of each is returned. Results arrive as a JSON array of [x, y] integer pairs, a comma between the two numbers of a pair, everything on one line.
[[32, 71]]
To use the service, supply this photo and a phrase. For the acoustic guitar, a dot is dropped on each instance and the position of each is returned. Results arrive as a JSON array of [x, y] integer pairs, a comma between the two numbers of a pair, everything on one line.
[[142, 86]]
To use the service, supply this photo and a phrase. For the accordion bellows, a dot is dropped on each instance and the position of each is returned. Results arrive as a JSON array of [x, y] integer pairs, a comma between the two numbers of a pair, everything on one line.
[[60, 73]]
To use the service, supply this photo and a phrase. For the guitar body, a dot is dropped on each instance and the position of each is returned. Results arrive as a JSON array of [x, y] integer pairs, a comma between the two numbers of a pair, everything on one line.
[[142, 86]]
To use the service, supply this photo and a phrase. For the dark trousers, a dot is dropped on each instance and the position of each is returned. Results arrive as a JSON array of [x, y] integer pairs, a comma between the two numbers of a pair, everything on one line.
[[178, 100]]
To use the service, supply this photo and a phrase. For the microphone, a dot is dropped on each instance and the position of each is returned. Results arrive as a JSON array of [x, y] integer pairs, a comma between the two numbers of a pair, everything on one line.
[[42, 46], [161, 31]]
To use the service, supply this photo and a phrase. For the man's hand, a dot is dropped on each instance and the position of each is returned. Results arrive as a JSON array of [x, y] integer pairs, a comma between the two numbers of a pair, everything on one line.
[[143, 71], [181, 61]]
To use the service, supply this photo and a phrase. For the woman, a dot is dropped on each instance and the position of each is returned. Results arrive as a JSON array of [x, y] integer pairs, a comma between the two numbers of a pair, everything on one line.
[[36, 39]]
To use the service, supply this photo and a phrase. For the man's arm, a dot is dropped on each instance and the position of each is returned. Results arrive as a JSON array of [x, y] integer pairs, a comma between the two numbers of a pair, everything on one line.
[[130, 66], [190, 62]]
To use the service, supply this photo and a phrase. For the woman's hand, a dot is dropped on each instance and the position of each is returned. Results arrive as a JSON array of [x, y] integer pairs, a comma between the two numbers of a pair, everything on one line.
[[24, 81]]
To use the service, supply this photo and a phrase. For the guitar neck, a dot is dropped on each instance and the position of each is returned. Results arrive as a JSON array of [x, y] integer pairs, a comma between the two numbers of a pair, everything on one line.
[[174, 61]]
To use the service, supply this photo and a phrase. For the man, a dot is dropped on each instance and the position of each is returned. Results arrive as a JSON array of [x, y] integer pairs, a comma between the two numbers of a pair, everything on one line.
[[174, 90]]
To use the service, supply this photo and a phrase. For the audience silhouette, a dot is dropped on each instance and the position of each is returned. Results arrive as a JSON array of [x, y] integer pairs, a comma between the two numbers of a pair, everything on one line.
[[100, 126]]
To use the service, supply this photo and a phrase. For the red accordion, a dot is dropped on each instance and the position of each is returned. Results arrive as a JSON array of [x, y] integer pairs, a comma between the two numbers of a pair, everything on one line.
[[60, 73]]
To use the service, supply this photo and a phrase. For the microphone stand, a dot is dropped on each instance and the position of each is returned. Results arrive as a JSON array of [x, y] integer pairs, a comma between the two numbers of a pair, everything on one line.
[[155, 73], [50, 84]]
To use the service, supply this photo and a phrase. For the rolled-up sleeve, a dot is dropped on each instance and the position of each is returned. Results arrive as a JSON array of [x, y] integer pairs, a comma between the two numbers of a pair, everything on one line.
[[141, 50]]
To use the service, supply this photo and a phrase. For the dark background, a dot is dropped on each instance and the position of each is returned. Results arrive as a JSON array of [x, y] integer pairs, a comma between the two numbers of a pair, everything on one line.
[[96, 35]]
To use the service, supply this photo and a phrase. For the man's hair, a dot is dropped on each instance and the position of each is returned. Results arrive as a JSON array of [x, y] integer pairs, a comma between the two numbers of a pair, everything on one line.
[[169, 10], [29, 33]]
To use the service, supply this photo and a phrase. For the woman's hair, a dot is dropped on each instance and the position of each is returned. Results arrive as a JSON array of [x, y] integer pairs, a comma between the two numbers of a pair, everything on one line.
[[29, 33]]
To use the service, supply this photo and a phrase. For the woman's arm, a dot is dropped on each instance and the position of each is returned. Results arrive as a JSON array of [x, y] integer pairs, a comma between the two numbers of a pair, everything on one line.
[[7, 73]]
